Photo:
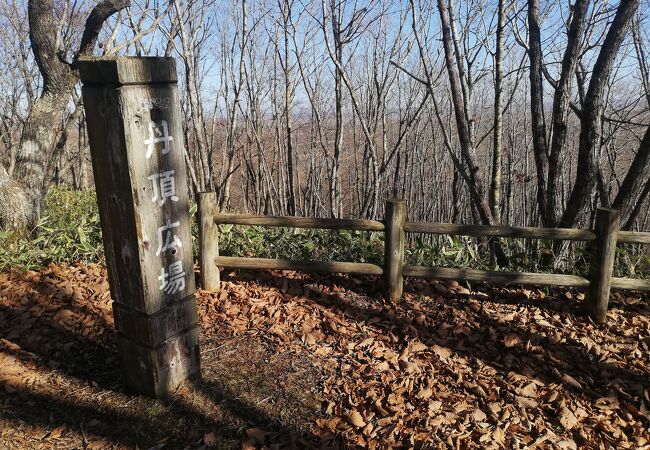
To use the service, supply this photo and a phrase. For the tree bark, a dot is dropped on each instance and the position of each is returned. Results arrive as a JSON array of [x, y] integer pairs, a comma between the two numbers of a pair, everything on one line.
[[291, 200], [475, 184], [537, 104], [591, 122], [15, 212], [497, 150], [635, 179], [336, 198], [26, 191], [224, 194], [561, 104]]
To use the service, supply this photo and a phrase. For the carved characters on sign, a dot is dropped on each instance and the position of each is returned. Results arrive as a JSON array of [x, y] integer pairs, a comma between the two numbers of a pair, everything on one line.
[[173, 277], [157, 134], [147, 104], [172, 280], [164, 187], [167, 240]]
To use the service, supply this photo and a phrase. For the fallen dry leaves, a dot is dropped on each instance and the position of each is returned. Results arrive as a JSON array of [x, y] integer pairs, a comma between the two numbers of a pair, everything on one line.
[[450, 367]]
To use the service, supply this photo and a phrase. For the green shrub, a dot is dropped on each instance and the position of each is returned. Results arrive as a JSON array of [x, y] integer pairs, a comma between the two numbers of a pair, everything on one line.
[[69, 231], [301, 244]]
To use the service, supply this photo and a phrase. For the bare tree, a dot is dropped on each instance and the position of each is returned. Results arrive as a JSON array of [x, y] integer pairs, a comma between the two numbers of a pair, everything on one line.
[[497, 149], [25, 191], [287, 25], [591, 120], [190, 22], [233, 82], [635, 187], [326, 107]]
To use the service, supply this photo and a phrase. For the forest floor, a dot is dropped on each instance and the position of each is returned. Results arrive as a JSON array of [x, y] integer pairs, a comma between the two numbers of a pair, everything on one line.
[[298, 361]]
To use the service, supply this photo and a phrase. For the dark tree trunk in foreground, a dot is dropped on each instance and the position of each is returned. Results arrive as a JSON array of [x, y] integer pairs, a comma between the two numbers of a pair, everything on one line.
[[631, 191], [591, 122], [537, 104], [24, 193], [561, 103]]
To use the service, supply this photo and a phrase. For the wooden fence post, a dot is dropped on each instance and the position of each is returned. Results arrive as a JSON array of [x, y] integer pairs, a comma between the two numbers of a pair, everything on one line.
[[208, 240], [136, 143], [394, 249], [601, 265]]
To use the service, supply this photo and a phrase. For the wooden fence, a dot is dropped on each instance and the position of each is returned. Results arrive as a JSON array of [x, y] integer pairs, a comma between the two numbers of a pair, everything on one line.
[[604, 238]]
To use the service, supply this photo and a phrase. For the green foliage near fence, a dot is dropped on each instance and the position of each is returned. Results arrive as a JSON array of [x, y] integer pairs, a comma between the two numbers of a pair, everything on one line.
[[69, 232]]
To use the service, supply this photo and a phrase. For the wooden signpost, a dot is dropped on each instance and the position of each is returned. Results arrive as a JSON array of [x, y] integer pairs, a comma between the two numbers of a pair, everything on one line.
[[136, 142]]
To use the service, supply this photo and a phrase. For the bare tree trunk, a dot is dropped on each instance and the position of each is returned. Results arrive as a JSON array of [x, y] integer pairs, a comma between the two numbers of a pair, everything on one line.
[[641, 201], [45, 119], [537, 103], [636, 184], [16, 211], [190, 54], [291, 197], [561, 103], [336, 198], [497, 150], [635, 179], [224, 198], [475, 184], [39, 137], [591, 122]]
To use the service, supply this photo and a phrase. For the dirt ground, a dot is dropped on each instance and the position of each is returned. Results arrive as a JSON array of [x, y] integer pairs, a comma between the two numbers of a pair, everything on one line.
[[298, 361]]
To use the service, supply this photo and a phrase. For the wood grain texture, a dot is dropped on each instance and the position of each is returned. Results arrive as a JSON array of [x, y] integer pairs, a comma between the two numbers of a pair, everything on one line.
[[633, 237], [157, 371], [631, 284], [556, 234], [300, 266], [208, 240], [118, 126], [601, 264], [394, 250], [126, 70], [503, 278], [299, 222], [152, 329], [136, 142]]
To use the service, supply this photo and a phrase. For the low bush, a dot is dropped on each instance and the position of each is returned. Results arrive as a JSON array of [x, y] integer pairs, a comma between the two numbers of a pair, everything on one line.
[[69, 231]]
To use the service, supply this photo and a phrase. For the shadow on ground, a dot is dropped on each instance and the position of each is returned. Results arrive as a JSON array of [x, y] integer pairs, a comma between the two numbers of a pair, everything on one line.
[[256, 392], [485, 336], [75, 382]]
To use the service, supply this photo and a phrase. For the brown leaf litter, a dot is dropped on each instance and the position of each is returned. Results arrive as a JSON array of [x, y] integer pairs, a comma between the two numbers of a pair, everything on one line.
[[292, 360]]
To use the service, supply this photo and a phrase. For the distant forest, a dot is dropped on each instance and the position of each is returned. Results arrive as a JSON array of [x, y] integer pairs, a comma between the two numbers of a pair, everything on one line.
[[520, 112]]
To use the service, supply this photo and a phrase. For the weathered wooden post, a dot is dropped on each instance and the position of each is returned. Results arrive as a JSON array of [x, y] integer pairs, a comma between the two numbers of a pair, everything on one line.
[[208, 240], [394, 249], [136, 142], [601, 265]]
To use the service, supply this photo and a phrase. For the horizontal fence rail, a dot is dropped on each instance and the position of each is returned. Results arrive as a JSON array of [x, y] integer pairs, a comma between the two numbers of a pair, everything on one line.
[[633, 237], [555, 234], [505, 278], [301, 266], [299, 222], [630, 283], [603, 240]]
